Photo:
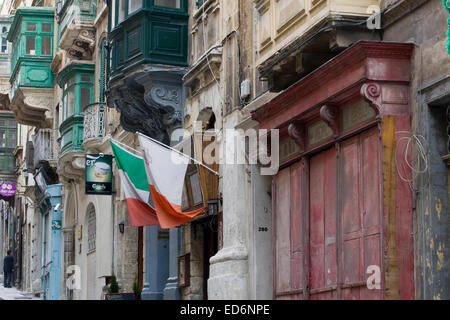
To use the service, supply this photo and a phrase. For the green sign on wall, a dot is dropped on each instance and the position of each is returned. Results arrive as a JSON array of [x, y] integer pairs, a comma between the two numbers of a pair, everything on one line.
[[98, 174]]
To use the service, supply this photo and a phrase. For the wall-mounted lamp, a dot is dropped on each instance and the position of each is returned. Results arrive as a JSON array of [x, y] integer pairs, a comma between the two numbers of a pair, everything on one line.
[[122, 227], [213, 207]]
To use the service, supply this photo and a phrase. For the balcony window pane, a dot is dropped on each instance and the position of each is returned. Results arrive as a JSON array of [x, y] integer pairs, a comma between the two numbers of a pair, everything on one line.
[[30, 47], [4, 45], [70, 101], [113, 14], [2, 138], [85, 97], [134, 5], [46, 46], [46, 27], [31, 27], [12, 139], [122, 5], [168, 3]]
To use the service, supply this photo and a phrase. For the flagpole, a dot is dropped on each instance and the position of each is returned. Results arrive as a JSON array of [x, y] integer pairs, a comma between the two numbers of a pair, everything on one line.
[[128, 147], [166, 146]]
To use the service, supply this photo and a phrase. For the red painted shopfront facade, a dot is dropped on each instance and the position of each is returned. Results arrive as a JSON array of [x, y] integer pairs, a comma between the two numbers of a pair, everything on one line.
[[342, 210]]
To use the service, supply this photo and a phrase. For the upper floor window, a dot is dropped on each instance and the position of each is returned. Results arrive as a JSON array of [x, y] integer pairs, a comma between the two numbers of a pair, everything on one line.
[[4, 44], [175, 4], [102, 72], [77, 82], [92, 226], [8, 132], [38, 39], [121, 9]]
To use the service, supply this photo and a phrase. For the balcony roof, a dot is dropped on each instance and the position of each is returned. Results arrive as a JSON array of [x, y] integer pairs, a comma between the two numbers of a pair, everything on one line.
[[73, 67], [35, 12]]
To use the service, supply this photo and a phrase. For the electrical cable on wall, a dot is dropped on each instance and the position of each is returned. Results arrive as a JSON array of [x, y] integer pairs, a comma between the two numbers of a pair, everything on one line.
[[421, 147]]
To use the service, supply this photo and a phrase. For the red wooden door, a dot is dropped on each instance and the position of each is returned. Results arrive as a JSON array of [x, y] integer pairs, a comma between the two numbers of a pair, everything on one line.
[[327, 223], [322, 226], [360, 214]]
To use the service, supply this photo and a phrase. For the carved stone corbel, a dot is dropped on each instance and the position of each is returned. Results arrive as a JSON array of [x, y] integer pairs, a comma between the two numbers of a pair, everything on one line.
[[297, 132], [155, 109], [371, 92], [330, 114]]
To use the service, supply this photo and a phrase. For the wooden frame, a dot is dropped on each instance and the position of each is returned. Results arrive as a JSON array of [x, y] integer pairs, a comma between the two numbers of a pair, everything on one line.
[[184, 270]]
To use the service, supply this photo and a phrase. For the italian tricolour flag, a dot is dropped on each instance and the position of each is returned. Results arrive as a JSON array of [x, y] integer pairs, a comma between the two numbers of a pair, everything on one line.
[[166, 170], [134, 183]]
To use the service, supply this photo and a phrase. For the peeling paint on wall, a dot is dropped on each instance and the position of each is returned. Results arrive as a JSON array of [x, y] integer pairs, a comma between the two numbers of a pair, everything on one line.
[[438, 207]]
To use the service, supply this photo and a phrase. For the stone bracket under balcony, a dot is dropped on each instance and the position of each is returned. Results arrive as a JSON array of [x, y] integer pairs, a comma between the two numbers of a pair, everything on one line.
[[150, 101], [71, 166], [33, 106], [79, 40]]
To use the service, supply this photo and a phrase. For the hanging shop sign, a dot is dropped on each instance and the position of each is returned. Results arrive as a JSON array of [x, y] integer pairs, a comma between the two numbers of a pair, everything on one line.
[[7, 189], [98, 174]]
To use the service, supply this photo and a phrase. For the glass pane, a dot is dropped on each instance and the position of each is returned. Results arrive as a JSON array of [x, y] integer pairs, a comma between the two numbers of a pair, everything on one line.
[[113, 14], [2, 123], [168, 3], [4, 45], [46, 27], [122, 5], [85, 97], [134, 5], [2, 138], [86, 78], [12, 139], [70, 102], [46, 46], [31, 45], [31, 27]]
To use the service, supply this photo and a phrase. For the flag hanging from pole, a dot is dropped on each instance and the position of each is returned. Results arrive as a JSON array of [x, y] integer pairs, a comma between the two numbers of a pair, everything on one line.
[[166, 170], [133, 179]]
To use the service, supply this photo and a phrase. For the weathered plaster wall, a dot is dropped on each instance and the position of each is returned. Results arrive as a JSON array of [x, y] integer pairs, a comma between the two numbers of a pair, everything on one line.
[[426, 26]]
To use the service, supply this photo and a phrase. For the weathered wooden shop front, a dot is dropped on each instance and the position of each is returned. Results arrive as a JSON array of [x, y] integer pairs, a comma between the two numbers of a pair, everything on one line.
[[342, 209]]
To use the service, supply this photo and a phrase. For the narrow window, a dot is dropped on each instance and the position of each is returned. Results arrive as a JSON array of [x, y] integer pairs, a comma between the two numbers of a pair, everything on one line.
[[92, 224], [122, 5], [4, 45], [46, 46], [31, 27], [46, 27], [134, 5], [175, 4], [30, 46], [85, 97]]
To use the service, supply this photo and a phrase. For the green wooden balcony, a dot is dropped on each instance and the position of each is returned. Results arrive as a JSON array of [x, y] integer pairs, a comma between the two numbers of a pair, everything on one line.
[[31, 79], [77, 32], [71, 131], [147, 32]]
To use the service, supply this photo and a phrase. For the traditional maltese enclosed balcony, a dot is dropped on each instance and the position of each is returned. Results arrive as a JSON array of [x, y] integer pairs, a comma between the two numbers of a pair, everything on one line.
[[148, 32], [31, 78], [94, 126], [288, 44], [77, 32], [77, 82]]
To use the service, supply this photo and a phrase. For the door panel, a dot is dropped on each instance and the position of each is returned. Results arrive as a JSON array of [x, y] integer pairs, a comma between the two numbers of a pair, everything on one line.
[[322, 228], [327, 220], [360, 213], [297, 248], [282, 222]]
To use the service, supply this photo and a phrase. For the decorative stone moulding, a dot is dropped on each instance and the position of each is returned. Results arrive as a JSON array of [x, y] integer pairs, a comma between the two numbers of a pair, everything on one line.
[[150, 102], [33, 106], [71, 166], [79, 41]]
